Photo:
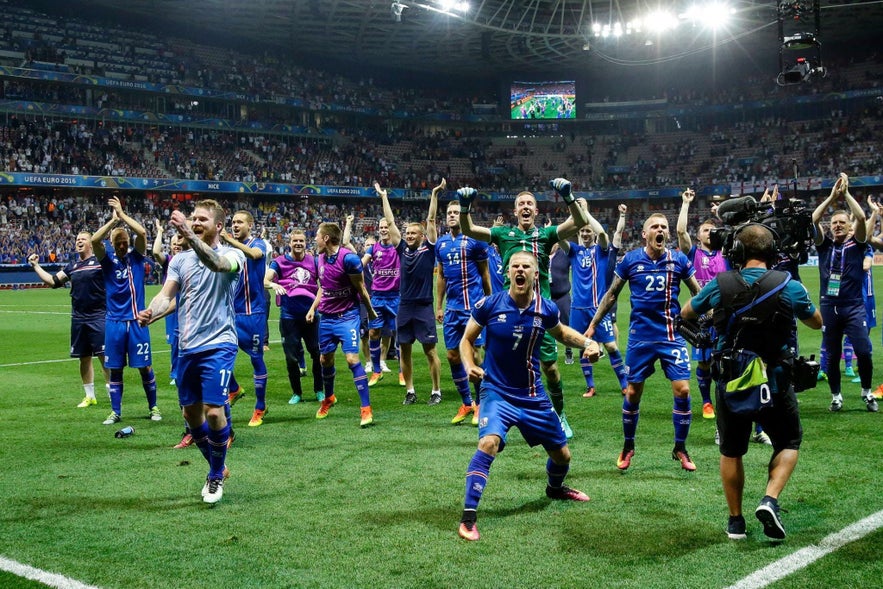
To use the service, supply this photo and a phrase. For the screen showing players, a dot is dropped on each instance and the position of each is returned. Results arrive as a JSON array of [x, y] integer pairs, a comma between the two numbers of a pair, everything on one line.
[[543, 100]]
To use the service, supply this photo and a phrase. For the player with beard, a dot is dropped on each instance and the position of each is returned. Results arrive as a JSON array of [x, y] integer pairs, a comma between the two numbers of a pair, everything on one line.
[[654, 273], [204, 280]]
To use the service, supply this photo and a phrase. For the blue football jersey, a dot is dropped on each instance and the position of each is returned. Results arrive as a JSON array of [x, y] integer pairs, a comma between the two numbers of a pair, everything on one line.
[[251, 296], [123, 284], [457, 258], [588, 270], [655, 286], [513, 338]]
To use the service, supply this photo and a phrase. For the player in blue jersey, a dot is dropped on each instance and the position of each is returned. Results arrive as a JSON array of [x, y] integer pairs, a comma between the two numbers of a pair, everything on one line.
[[251, 309], [654, 274], [203, 278], [512, 391], [125, 341], [494, 260], [525, 235], [463, 279], [88, 308], [415, 319], [841, 255], [588, 261]]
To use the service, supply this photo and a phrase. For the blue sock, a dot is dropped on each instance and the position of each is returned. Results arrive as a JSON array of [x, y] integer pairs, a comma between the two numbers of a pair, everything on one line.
[[681, 417], [461, 381], [703, 377], [116, 390], [217, 441], [200, 438], [233, 386], [823, 356], [848, 353], [757, 428], [148, 381], [374, 348], [476, 478], [588, 371], [556, 473], [260, 383], [361, 381], [630, 414], [328, 373], [228, 413], [618, 366]]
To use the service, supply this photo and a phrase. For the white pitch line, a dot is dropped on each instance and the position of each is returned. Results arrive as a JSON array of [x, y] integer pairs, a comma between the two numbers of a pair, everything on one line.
[[41, 576], [37, 362], [806, 556], [35, 312]]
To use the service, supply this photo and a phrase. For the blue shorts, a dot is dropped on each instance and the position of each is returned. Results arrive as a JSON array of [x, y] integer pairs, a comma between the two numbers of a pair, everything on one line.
[[416, 321], [455, 325], [204, 377], [580, 319], [172, 340], [126, 340], [673, 357], [87, 337], [250, 330], [343, 329], [538, 426], [387, 307]]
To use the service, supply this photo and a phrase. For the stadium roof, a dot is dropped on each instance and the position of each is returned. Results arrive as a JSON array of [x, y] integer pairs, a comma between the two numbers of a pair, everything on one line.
[[493, 38]]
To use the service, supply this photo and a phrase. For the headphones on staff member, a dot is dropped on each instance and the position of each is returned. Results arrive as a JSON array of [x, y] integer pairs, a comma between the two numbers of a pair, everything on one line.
[[738, 255]]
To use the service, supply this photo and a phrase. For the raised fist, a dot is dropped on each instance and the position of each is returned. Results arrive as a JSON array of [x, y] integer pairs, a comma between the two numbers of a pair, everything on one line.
[[562, 186], [466, 196]]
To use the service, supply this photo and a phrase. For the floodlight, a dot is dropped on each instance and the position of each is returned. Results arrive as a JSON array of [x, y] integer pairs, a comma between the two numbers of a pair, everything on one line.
[[660, 21], [711, 15]]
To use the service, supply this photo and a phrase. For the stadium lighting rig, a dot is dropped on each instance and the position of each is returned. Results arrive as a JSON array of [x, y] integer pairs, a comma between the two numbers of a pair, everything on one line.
[[449, 7], [800, 49], [712, 15]]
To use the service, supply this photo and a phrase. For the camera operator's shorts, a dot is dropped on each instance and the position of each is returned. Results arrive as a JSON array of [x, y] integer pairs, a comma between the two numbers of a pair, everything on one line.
[[781, 422], [673, 357]]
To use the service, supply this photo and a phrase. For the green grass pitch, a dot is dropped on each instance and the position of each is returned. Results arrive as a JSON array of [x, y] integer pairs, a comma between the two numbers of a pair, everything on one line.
[[326, 504]]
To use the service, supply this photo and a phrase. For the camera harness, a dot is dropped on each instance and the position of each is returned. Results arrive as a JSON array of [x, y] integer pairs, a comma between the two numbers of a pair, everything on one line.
[[747, 305]]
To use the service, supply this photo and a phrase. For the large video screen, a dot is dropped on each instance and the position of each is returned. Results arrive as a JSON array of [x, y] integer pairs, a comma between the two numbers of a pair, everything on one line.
[[543, 100]]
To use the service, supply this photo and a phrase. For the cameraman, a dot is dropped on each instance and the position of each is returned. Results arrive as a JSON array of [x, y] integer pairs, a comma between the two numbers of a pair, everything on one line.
[[768, 339], [841, 268]]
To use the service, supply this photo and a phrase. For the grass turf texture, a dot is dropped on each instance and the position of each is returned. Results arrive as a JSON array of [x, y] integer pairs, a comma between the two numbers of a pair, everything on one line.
[[327, 504]]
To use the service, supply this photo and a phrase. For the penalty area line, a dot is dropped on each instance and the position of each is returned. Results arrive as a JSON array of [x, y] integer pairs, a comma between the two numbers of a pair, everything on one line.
[[50, 579], [806, 556]]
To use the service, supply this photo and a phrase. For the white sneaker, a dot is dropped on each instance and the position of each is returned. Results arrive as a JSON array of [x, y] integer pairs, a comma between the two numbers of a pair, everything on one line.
[[369, 366], [214, 490], [871, 403], [761, 437], [384, 367], [111, 419], [836, 403]]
